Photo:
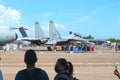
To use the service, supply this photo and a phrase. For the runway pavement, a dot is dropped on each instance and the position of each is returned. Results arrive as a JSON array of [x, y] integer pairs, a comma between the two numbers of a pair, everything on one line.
[[98, 65]]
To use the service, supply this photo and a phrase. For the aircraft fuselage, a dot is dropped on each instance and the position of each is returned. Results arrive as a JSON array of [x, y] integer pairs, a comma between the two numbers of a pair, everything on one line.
[[7, 36]]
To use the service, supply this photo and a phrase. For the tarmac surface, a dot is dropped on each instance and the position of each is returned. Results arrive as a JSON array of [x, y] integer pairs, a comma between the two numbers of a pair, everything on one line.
[[97, 65]]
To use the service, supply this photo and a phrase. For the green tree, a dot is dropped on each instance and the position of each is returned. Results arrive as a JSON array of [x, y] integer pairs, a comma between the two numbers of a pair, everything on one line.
[[111, 39], [118, 41], [88, 37]]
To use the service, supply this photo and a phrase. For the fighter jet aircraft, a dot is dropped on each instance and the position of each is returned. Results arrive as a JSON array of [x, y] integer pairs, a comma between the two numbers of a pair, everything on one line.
[[56, 42]]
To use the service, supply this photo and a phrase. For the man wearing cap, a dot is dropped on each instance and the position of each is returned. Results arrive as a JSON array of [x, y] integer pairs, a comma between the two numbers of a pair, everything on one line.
[[31, 72]]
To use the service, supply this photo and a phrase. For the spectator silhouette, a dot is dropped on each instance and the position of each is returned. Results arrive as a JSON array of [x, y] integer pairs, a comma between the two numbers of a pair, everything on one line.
[[64, 70], [31, 72]]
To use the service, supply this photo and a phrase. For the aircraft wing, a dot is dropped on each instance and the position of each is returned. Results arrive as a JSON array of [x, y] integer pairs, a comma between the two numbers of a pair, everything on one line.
[[37, 41], [53, 41], [29, 39], [65, 40]]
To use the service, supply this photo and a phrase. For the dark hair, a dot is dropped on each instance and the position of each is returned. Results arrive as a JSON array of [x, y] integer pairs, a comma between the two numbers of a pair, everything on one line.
[[30, 57], [70, 68], [68, 65]]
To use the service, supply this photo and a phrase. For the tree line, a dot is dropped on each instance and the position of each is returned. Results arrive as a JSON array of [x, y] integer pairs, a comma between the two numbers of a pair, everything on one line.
[[113, 40], [89, 37]]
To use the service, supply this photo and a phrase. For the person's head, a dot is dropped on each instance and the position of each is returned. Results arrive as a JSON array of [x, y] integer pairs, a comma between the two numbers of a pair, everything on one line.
[[30, 57], [63, 65]]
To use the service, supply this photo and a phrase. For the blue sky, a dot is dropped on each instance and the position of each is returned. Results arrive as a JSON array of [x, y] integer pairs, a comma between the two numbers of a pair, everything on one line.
[[99, 18]]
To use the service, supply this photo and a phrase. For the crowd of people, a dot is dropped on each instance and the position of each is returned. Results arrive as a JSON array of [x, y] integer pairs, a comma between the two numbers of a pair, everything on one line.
[[81, 47], [111, 46], [117, 47]]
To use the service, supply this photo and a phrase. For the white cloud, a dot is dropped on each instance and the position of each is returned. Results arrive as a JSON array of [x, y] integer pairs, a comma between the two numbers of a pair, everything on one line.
[[9, 16], [60, 26]]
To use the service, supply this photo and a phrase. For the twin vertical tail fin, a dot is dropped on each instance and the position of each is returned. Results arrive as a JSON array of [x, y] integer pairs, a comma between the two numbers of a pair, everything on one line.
[[53, 32], [38, 31]]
